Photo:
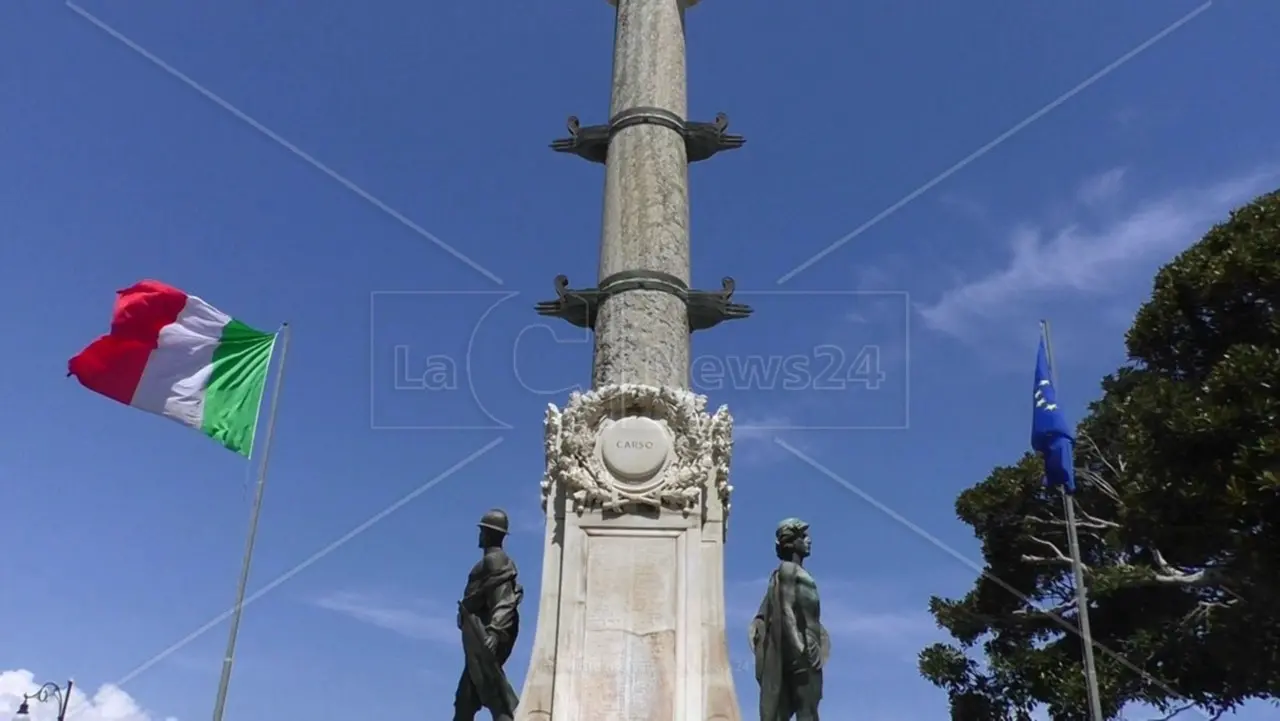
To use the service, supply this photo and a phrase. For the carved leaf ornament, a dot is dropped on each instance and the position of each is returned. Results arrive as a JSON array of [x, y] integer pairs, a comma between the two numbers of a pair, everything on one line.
[[701, 448]]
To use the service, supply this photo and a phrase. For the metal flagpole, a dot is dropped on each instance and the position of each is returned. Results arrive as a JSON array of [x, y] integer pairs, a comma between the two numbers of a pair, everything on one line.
[[1077, 566], [225, 681]]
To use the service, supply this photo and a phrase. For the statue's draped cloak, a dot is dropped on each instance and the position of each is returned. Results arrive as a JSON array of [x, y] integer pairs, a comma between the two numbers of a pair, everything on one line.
[[778, 659], [770, 651], [489, 607]]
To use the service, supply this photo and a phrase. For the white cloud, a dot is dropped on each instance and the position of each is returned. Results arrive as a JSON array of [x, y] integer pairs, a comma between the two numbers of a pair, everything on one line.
[[531, 521], [1094, 261], [848, 618], [877, 308], [754, 439], [964, 205], [759, 429], [1127, 116], [873, 279], [1102, 188], [527, 517], [912, 629], [415, 620], [108, 703]]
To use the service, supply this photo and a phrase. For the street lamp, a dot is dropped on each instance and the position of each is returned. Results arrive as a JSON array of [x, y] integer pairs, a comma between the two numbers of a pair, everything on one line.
[[42, 695]]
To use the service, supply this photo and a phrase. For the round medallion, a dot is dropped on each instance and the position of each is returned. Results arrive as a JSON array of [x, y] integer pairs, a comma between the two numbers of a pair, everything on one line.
[[635, 448]]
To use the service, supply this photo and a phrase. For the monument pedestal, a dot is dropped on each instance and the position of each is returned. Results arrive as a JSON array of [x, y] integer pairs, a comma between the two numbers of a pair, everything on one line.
[[631, 618]]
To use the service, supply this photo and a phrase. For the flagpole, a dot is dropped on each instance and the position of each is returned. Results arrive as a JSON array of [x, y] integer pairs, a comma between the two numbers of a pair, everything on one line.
[[1077, 565], [238, 610]]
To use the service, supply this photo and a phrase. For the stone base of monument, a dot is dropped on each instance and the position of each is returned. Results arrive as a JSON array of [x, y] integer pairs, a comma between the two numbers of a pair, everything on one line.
[[631, 618]]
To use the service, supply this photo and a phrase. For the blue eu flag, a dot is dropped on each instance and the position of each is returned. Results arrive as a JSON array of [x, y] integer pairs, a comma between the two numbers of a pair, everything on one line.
[[1051, 437]]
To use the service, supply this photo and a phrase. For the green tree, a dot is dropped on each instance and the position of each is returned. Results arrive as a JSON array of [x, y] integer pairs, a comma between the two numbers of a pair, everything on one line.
[[1179, 514]]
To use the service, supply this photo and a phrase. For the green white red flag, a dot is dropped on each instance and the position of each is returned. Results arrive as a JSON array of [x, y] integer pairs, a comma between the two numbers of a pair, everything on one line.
[[172, 354]]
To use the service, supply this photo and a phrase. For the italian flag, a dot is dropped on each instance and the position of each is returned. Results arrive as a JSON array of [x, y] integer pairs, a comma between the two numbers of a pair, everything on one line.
[[175, 355]]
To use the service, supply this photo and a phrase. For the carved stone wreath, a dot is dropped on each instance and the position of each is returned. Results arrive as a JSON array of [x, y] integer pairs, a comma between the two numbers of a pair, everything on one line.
[[721, 455], [701, 446]]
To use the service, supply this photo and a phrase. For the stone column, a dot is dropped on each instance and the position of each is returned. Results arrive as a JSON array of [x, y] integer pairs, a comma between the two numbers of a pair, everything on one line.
[[642, 336], [631, 618]]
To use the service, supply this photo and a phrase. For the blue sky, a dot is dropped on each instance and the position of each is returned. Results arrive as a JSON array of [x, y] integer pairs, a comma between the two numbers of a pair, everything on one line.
[[426, 124]]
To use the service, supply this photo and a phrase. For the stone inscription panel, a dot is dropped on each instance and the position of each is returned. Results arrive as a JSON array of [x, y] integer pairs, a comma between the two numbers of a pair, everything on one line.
[[628, 668], [635, 448]]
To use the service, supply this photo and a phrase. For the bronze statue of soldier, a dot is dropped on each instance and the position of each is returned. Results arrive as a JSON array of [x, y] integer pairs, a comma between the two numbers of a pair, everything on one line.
[[787, 638], [489, 619]]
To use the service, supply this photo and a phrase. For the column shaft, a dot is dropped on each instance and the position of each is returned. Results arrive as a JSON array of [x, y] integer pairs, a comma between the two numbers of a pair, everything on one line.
[[642, 336]]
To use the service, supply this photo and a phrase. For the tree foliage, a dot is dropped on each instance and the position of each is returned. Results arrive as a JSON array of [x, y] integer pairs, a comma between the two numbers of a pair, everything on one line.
[[1179, 514]]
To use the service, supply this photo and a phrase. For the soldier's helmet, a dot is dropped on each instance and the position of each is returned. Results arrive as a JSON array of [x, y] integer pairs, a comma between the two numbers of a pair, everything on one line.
[[495, 520]]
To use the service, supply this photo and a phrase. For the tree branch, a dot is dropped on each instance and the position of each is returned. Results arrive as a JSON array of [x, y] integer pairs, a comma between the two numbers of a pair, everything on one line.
[[1057, 558], [1166, 574], [1188, 707], [1056, 611], [1117, 468], [1083, 520], [1203, 609], [1175, 712]]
